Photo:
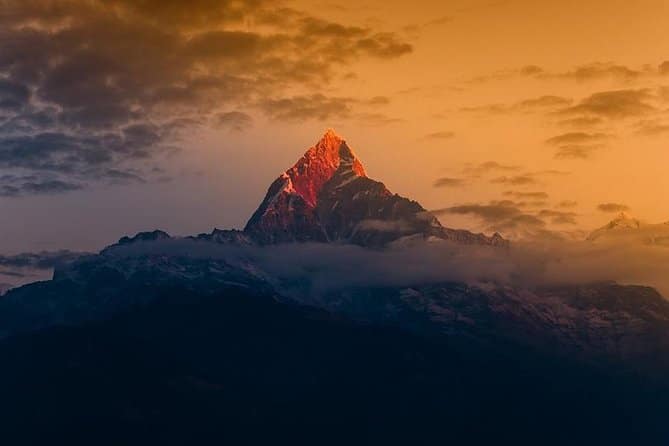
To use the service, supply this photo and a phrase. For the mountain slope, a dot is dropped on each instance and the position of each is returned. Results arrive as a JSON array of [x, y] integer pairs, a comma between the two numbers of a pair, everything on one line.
[[239, 368]]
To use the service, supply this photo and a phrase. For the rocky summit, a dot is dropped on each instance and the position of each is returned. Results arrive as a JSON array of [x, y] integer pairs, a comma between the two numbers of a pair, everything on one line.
[[328, 197]]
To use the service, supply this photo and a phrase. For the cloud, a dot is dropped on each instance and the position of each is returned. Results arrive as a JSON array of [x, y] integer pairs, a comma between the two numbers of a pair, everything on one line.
[[473, 170], [590, 72], [567, 204], [616, 104], [314, 270], [527, 195], [376, 119], [16, 186], [378, 101], [439, 135], [651, 128], [544, 101], [233, 120], [516, 180], [559, 217], [581, 122], [525, 106], [40, 260], [613, 208], [490, 213], [664, 67], [577, 144], [88, 86], [316, 106], [13, 95], [504, 217], [449, 182], [601, 70]]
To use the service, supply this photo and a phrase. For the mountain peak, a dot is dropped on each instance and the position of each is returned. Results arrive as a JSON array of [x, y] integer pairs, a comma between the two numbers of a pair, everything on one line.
[[623, 222], [329, 156], [327, 197], [330, 133]]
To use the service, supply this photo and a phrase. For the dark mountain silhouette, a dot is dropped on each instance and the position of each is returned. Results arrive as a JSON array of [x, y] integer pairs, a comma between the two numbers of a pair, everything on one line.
[[239, 368]]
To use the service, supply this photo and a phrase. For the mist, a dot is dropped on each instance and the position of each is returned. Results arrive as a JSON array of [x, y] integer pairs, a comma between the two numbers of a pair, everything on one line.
[[320, 268]]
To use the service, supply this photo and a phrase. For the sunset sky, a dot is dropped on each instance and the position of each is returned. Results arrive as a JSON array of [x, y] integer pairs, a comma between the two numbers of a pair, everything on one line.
[[526, 117]]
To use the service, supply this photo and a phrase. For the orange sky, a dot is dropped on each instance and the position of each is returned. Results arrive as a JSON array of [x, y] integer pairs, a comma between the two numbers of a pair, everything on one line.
[[566, 97]]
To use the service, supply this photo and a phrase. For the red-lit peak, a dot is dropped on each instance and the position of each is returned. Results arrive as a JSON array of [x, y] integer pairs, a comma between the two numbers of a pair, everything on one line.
[[320, 163]]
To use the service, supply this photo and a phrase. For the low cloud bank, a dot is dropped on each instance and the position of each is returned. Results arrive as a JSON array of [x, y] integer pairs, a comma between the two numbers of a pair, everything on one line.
[[19, 269], [324, 267]]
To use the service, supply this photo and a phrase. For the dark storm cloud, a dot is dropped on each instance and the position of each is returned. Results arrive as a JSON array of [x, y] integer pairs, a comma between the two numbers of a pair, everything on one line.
[[40, 260], [449, 182], [612, 208], [90, 85]]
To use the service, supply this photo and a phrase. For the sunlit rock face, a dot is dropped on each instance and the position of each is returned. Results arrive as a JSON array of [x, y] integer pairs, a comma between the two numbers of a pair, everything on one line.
[[327, 197]]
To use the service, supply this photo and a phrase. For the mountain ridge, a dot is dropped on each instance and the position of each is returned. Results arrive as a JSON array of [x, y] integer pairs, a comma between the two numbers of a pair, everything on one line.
[[626, 228]]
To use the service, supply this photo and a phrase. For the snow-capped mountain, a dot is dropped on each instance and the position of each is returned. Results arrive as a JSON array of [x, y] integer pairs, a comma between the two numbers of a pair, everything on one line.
[[328, 197], [625, 229]]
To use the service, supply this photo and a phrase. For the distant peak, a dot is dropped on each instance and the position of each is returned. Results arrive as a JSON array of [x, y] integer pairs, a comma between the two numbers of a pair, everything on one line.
[[624, 215]]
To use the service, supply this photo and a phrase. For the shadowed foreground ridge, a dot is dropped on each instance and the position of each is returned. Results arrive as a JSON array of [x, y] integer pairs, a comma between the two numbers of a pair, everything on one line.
[[244, 368]]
